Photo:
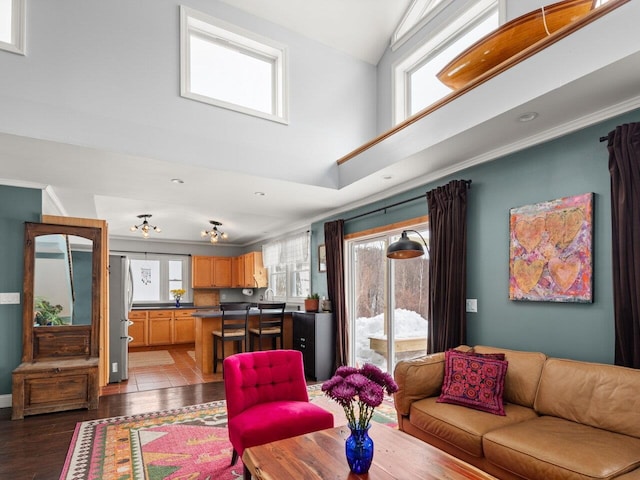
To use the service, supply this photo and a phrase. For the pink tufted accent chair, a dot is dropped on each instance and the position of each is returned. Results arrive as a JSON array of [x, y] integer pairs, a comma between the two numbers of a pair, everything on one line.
[[267, 400]]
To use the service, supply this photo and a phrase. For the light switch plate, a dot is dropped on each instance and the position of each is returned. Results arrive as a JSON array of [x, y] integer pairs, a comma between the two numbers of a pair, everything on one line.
[[472, 305], [12, 298]]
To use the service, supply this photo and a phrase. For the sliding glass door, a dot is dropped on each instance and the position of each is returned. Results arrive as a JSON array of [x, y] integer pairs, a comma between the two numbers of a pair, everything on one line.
[[387, 302]]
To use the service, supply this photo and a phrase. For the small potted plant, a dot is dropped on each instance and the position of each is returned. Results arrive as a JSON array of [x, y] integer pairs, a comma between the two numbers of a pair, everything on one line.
[[46, 313], [312, 302]]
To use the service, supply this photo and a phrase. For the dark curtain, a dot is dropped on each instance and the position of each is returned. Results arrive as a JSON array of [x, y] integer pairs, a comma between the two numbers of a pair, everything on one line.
[[334, 243], [624, 167], [448, 265]]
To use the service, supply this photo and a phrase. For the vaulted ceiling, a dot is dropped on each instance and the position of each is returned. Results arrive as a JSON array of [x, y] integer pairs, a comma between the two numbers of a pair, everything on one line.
[[593, 75]]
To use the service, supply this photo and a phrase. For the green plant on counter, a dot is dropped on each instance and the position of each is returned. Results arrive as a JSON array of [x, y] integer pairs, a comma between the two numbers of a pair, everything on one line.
[[47, 314], [313, 296]]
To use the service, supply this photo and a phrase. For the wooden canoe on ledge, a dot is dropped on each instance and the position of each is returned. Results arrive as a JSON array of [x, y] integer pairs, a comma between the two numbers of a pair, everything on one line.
[[511, 38]]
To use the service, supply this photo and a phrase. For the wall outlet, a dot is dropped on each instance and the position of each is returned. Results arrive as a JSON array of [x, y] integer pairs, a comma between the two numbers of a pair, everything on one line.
[[10, 298], [114, 367], [223, 296], [472, 305]]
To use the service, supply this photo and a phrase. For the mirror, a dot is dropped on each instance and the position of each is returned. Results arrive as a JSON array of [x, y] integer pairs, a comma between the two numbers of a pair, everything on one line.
[[61, 291], [62, 280]]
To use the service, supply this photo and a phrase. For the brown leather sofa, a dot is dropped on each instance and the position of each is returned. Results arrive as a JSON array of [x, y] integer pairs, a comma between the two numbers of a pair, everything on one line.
[[564, 419]]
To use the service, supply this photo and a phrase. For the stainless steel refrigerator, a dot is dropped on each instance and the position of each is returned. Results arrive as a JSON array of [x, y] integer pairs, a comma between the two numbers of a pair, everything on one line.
[[120, 298]]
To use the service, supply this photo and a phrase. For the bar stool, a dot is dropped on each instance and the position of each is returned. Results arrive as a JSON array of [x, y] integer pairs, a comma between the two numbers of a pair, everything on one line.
[[233, 328], [270, 325]]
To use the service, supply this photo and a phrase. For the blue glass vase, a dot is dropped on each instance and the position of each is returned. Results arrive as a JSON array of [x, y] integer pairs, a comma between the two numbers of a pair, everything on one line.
[[359, 450], [177, 302]]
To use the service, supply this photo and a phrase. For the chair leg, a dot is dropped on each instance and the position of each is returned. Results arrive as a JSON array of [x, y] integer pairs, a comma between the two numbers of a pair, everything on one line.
[[215, 355], [246, 474], [234, 457]]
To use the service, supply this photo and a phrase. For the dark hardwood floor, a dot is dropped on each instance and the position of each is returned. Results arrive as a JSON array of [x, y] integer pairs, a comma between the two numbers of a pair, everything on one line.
[[36, 447]]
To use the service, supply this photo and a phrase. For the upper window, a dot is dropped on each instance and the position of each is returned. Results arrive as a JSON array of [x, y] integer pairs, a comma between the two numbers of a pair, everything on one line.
[[12, 26], [415, 83], [418, 13], [232, 68], [154, 276]]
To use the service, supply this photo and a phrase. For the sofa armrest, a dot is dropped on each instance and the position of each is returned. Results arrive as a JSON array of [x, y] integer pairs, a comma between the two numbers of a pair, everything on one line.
[[417, 379]]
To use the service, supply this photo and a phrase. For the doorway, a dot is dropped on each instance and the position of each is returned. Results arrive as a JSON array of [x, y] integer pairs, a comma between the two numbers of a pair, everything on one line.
[[161, 367], [387, 300]]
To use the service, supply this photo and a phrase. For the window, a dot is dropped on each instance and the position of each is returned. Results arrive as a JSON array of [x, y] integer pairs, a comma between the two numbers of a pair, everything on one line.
[[415, 83], [12, 26], [387, 301], [288, 264], [232, 68], [154, 276], [416, 16]]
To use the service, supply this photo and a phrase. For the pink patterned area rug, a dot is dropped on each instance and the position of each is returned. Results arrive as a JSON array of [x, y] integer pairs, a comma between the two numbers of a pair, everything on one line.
[[186, 443]]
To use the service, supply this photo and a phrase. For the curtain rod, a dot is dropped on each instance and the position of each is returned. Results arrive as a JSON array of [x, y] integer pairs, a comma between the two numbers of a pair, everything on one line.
[[468, 182]]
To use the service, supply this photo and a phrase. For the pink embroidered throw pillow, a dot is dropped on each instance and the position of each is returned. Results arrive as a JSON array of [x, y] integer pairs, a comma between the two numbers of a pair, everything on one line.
[[473, 381]]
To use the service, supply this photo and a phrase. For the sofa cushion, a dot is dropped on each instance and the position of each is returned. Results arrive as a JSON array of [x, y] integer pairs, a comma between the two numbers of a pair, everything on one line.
[[497, 356], [474, 381], [602, 396], [523, 375], [550, 447], [461, 426]]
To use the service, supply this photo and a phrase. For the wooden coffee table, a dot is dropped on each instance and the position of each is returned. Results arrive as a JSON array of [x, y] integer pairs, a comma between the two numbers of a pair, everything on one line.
[[320, 455]]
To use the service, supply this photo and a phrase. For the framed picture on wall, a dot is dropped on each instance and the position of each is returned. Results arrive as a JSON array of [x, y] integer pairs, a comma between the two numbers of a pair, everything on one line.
[[550, 250], [322, 258]]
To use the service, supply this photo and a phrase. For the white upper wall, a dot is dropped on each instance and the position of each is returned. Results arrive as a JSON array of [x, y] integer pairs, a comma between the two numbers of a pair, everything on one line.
[[106, 75]]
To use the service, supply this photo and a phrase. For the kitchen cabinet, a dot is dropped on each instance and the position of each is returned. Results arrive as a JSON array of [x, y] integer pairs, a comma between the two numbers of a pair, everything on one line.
[[255, 275], [313, 335], [139, 329], [245, 271], [160, 327], [237, 272], [222, 272], [210, 272], [202, 272], [183, 326]]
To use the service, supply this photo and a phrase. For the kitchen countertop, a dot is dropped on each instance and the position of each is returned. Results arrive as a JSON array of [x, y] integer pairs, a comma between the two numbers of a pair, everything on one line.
[[252, 311], [183, 306], [206, 310]]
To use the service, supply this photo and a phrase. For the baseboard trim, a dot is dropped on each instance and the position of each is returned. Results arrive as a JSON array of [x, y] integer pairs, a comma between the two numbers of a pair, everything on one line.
[[5, 400]]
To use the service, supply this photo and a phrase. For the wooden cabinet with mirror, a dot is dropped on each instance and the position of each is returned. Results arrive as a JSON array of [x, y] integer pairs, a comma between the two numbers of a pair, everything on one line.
[[61, 320]]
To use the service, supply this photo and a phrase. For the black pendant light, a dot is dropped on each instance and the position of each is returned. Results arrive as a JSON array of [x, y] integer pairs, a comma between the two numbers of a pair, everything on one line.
[[405, 247]]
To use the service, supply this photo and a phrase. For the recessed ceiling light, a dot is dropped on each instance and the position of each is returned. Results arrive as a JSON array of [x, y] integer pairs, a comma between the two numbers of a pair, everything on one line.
[[259, 194], [527, 117], [177, 180]]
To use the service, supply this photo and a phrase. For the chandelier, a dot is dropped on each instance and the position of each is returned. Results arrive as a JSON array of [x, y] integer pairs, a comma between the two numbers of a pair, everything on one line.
[[145, 226], [214, 234]]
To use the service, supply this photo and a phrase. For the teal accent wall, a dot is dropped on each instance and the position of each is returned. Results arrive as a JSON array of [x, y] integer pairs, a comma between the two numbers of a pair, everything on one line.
[[574, 164], [17, 205]]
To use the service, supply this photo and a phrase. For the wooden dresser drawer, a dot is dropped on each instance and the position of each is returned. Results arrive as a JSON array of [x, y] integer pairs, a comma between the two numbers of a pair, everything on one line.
[[45, 387], [160, 314]]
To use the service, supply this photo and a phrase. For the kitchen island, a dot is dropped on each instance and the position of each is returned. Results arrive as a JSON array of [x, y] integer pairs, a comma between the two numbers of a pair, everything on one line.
[[206, 321]]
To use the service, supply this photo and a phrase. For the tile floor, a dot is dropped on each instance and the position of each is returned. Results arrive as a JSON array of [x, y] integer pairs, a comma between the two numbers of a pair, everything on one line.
[[182, 372]]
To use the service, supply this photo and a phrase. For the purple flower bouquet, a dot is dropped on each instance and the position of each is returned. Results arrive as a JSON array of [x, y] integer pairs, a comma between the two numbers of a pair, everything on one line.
[[359, 391]]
